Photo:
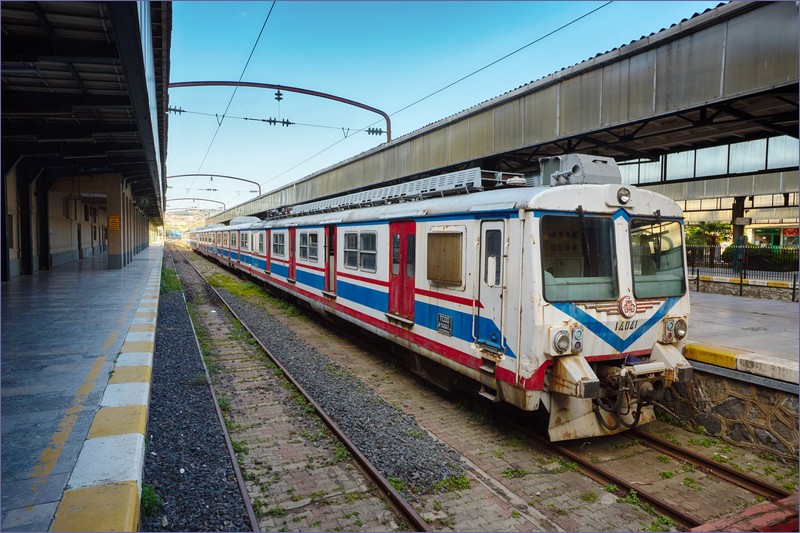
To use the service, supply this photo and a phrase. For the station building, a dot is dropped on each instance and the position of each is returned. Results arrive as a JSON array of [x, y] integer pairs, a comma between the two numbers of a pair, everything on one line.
[[84, 131]]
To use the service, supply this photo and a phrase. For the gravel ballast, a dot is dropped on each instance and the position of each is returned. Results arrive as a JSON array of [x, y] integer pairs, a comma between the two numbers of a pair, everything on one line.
[[187, 462], [392, 440]]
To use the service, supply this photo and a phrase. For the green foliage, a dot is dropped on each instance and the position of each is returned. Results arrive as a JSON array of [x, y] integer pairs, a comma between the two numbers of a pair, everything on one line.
[[151, 501], [664, 459], [453, 483], [666, 474], [241, 289], [662, 523], [589, 497], [258, 507], [239, 446], [398, 484], [277, 511], [170, 281], [708, 233], [513, 472]]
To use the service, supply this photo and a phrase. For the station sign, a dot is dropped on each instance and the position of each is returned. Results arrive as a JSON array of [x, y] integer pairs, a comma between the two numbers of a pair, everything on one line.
[[113, 223]]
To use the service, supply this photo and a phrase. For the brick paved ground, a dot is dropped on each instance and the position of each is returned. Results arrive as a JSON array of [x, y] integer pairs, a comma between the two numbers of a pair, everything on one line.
[[297, 477]]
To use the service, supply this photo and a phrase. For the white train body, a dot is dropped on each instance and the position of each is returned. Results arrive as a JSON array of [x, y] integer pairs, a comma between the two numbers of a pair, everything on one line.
[[571, 295]]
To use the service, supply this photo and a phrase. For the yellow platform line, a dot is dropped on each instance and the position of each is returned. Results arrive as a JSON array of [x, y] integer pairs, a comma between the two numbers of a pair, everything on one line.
[[114, 505], [712, 355]]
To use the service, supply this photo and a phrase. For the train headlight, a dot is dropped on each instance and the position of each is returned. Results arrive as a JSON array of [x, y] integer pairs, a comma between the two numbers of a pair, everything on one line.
[[680, 328], [561, 341], [623, 195]]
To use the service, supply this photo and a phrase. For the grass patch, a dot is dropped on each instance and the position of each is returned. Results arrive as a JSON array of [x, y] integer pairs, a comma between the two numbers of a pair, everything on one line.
[[513, 472], [398, 484], [453, 483], [664, 459], [242, 289], [258, 507], [666, 474], [239, 446], [692, 484], [277, 511], [590, 497], [662, 523], [170, 281], [151, 502]]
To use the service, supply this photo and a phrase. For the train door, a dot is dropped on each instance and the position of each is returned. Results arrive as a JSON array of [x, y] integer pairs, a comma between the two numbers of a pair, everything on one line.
[[292, 257], [403, 265], [330, 259], [268, 250], [491, 286]]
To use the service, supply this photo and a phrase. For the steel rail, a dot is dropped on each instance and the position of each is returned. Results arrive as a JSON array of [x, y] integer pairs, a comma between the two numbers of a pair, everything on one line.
[[721, 470], [390, 493], [603, 476], [248, 505]]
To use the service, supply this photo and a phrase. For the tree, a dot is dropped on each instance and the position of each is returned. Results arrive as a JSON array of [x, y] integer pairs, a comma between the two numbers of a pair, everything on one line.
[[708, 233]]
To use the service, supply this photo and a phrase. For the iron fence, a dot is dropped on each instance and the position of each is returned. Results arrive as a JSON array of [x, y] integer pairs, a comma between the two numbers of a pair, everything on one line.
[[769, 263]]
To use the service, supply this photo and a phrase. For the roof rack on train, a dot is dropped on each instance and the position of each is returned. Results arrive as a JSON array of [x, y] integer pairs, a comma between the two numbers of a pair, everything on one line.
[[469, 180]]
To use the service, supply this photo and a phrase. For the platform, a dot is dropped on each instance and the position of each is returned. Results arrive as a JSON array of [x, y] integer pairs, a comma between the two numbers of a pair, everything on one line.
[[753, 336], [77, 345]]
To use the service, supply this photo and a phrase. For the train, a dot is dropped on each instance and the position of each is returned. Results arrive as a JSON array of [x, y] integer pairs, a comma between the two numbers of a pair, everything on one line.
[[564, 290]]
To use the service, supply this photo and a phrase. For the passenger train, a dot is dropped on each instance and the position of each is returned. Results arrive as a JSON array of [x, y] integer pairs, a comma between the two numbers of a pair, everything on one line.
[[564, 290]]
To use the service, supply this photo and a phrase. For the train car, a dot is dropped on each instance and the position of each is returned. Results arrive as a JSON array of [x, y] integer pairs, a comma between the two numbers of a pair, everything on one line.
[[565, 290]]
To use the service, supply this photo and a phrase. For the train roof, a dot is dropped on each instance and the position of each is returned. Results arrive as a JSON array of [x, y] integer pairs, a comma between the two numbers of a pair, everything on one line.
[[591, 198]]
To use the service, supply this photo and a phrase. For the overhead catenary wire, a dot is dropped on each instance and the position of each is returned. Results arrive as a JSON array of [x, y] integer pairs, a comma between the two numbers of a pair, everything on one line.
[[230, 101], [537, 40]]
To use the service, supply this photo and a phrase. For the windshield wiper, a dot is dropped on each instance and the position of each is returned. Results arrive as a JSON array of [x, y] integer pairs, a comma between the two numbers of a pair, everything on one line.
[[657, 243], [585, 239]]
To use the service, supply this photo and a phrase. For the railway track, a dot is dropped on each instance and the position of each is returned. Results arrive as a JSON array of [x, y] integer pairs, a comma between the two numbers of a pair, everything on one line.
[[409, 517], [524, 476]]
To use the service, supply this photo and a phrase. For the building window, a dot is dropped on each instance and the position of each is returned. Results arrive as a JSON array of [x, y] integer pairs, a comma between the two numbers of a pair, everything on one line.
[[444, 258]]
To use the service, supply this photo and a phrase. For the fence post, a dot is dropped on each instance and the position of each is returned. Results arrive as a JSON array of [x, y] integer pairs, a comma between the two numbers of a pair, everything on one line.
[[794, 287]]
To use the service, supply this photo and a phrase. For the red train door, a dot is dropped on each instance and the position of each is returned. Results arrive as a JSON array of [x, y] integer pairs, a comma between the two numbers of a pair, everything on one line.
[[268, 249], [330, 259], [292, 258], [402, 268]]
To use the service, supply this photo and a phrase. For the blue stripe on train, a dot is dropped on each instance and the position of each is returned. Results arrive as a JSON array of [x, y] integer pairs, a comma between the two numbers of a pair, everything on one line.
[[602, 331]]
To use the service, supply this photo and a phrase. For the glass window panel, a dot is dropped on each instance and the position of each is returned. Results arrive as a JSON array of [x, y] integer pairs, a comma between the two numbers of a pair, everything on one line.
[[395, 254], [782, 152], [313, 247], [748, 156], [680, 166], [578, 258], [411, 255], [493, 248], [712, 161], [657, 254], [650, 172], [351, 250], [368, 252]]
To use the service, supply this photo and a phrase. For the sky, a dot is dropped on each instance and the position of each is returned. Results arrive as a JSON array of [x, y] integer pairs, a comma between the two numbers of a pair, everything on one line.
[[387, 55]]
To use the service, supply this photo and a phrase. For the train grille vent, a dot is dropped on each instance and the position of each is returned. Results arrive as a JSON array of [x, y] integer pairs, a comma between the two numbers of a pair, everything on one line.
[[469, 180]]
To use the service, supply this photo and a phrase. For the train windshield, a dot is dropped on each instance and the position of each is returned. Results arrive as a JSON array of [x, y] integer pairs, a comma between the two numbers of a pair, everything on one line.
[[657, 254], [578, 258]]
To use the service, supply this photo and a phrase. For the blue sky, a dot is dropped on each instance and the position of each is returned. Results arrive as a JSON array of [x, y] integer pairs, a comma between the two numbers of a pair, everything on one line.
[[384, 54]]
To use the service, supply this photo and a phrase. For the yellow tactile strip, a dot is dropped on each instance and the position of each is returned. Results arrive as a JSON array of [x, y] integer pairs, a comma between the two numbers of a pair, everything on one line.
[[105, 486]]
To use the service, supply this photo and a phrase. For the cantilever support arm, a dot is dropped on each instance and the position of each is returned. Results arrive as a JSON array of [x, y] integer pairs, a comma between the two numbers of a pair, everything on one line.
[[177, 85]]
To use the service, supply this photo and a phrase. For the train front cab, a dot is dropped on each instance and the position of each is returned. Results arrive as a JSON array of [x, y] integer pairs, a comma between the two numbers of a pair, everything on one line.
[[615, 306]]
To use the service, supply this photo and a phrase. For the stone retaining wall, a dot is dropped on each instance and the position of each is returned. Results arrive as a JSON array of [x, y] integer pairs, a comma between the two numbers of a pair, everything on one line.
[[743, 413], [751, 291]]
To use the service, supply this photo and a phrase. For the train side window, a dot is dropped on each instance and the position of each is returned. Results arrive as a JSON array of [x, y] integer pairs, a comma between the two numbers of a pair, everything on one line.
[[395, 254], [261, 242], [445, 258], [245, 240], [233, 239], [313, 247], [351, 250], [304, 246], [279, 244], [368, 252], [494, 249]]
